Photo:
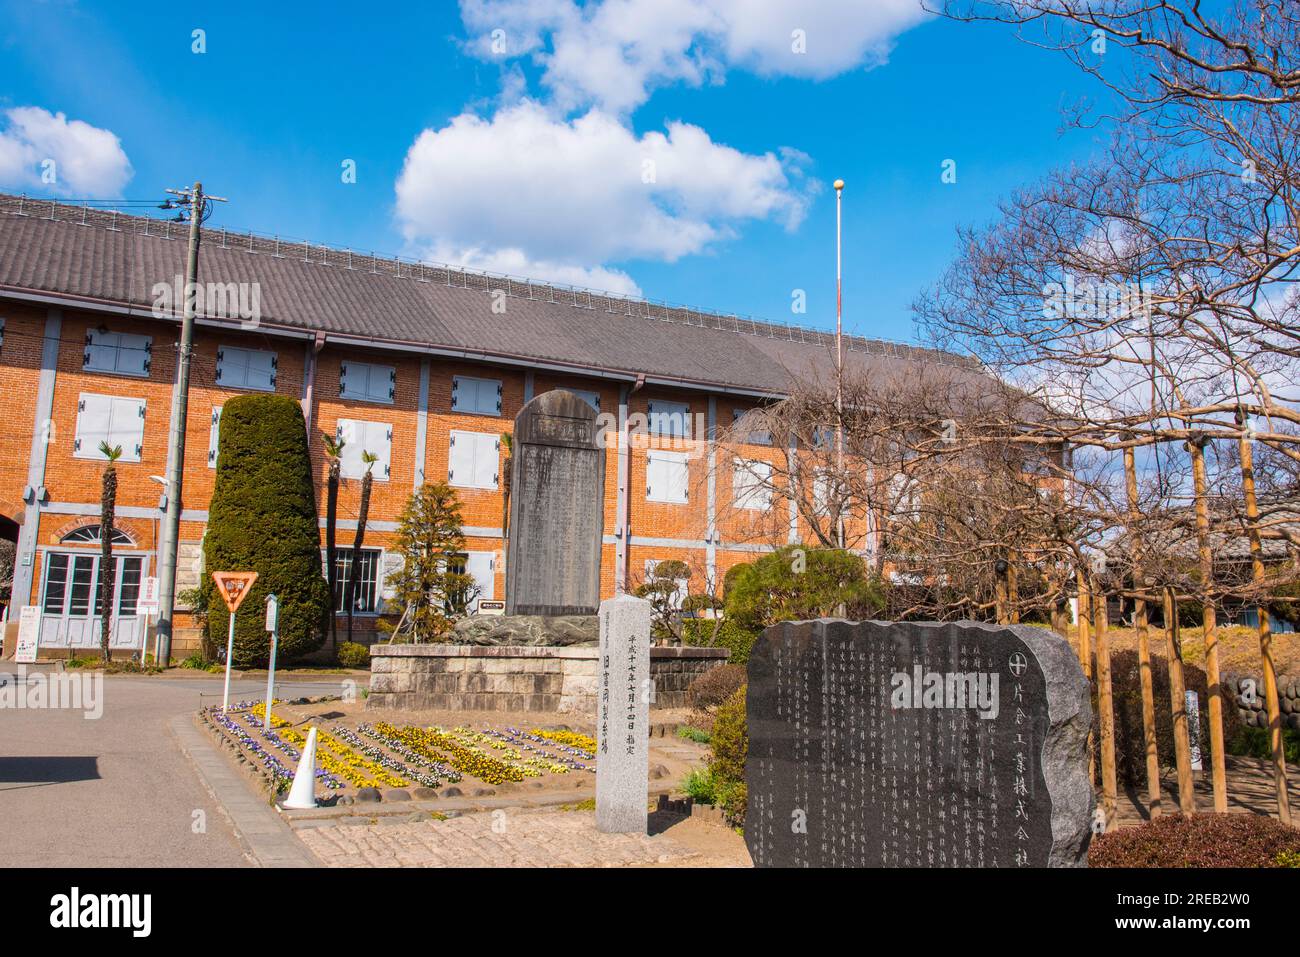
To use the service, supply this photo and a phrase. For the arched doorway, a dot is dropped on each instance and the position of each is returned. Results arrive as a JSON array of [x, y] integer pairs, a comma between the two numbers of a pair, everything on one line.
[[71, 607], [8, 563]]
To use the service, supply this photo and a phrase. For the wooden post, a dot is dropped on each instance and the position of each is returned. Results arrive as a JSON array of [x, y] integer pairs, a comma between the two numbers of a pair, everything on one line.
[[1013, 590], [1143, 637], [1106, 718], [1265, 628], [1178, 706], [1085, 622], [1085, 659], [1218, 773]]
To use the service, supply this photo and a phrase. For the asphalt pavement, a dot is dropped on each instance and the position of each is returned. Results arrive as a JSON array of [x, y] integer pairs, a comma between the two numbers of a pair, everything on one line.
[[116, 790]]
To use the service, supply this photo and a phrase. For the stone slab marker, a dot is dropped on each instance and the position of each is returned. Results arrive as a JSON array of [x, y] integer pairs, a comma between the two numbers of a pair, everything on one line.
[[916, 744], [623, 716], [557, 513]]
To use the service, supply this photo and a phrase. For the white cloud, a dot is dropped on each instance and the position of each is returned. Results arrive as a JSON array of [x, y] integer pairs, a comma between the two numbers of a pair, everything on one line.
[[87, 161], [612, 54], [531, 194]]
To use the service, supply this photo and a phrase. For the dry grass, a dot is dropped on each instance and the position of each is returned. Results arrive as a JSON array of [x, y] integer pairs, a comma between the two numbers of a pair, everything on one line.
[[1238, 647]]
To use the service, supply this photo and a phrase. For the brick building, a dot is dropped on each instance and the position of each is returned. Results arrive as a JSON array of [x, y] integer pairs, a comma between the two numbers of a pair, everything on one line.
[[425, 366]]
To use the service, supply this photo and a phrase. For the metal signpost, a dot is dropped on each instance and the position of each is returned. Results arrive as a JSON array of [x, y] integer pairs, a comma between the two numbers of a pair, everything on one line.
[[273, 626], [234, 588], [147, 604]]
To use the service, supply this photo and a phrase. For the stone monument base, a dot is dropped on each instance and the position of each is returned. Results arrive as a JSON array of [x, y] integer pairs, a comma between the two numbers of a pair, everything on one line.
[[559, 631], [497, 678]]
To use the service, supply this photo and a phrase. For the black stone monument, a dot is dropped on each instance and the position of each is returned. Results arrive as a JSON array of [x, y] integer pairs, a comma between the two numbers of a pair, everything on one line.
[[557, 496], [916, 744]]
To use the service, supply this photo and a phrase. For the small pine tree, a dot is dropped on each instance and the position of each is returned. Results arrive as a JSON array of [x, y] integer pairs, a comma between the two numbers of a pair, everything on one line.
[[430, 587], [263, 518]]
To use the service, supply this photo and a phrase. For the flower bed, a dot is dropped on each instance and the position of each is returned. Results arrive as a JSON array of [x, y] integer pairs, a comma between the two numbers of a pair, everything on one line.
[[384, 755]]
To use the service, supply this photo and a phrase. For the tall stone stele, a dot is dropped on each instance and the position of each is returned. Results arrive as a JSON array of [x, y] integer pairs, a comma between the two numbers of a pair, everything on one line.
[[916, 744], [623, 716], [557, 516]]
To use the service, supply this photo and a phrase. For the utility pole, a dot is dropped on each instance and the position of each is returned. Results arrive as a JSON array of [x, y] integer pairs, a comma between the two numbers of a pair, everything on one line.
[[197, 203], [839, 371]]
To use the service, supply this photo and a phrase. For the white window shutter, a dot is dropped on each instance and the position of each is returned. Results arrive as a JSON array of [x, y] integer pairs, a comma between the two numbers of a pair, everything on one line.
[[460, 459], [126, 428], [486, 461], [679, 489], [214, 437], [133, 356], [379, 442], [94, 413], [353, 436]]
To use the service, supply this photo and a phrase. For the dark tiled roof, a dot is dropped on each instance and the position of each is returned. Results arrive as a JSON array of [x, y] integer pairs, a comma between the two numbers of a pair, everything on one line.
[[107, 256]]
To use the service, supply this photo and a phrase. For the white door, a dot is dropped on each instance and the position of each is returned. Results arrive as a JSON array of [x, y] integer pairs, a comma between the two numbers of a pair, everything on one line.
[[71, 609]]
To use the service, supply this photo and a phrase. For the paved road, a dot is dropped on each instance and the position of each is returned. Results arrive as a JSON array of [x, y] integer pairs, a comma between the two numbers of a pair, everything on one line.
[[116, 791]]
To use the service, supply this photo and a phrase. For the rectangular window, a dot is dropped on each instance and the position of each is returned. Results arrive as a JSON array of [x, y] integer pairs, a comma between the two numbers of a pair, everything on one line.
[[679, 594], [591, 398], [118, 353], [477, 396], [106, 418], [751, 484], [56, 584], [367, 568], [214, 436], [367, 382], [246, 368], [669, 419], [481, 566], [83, 578], [473, 460], [749, 426], [666, 477], [129, 589], [358, 437]]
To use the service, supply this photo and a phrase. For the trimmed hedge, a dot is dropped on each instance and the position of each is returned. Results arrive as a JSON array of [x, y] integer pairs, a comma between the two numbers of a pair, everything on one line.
[[731, 635], [1130, 747], [730, 747], [1203, 840], [354, 655], [263, 518]]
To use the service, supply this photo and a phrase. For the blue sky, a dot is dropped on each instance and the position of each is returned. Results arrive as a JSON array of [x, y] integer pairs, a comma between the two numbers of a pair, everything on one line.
[[529, 161]]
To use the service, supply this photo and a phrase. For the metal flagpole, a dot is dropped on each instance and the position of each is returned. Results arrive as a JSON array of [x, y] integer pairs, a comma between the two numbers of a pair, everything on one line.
[[839, 368]]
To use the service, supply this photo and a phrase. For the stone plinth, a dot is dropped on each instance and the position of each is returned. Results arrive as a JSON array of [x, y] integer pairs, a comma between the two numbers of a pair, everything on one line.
[[517, 678]]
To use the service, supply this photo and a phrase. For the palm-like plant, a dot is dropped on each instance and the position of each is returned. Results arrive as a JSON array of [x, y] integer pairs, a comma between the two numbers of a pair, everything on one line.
[[507, 443], [334, 452], [107, 568], [363, 511]]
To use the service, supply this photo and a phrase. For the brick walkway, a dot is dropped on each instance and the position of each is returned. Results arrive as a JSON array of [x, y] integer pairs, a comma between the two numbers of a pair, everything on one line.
[[543, 837]]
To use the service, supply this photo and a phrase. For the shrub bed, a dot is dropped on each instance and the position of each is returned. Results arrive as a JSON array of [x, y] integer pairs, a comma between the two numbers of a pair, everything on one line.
[[1203, 840]]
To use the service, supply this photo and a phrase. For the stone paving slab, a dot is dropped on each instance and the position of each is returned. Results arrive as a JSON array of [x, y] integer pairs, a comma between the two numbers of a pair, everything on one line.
[[266, 839], [519, 838]]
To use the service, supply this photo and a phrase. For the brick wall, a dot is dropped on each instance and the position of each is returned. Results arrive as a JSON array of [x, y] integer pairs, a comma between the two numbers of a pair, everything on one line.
[[73, 482]]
